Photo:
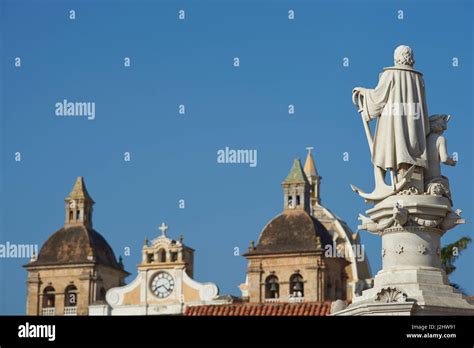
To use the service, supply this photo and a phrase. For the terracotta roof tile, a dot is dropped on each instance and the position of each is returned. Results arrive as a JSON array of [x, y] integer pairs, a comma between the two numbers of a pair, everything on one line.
[[262, 309]]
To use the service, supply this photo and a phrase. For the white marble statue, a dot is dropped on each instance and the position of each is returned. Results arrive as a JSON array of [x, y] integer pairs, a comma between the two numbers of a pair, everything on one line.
[[399, 105], [413, 213], [435, 183], [437, 147]]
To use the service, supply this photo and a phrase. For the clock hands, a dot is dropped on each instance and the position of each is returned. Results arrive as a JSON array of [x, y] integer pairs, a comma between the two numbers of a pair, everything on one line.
[[162, 285]]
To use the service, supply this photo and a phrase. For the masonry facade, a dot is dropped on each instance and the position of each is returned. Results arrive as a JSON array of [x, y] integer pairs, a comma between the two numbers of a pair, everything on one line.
[[164, 284]]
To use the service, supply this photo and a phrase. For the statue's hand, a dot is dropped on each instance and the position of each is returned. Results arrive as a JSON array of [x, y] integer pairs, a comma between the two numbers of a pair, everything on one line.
[[450, 162], [355, 96]]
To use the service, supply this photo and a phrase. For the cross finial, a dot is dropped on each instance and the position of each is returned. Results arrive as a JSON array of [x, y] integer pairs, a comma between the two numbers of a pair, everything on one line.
[[163, 229], [310, 149]]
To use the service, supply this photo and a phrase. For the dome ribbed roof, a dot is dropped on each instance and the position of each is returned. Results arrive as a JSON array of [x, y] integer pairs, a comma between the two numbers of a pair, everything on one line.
[[74, 244], [292, 231]]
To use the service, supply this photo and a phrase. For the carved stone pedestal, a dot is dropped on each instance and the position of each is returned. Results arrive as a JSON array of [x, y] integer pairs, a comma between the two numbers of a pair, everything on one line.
[[411, 281]]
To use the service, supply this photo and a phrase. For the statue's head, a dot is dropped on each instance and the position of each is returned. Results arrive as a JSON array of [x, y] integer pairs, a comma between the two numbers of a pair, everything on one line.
[[439, 123], [404, 55]]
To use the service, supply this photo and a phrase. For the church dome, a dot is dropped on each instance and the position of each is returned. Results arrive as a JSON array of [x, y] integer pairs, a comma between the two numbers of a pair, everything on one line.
[[292, 231], [76, 244]]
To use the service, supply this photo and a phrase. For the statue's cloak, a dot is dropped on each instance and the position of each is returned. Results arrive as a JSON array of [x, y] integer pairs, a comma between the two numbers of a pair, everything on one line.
[[399, 103]]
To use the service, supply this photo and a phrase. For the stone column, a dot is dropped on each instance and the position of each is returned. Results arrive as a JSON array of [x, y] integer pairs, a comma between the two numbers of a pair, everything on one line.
[[411, 281], [34, 295], [59, 301], [85, 292], [256, 286], [321, 271]]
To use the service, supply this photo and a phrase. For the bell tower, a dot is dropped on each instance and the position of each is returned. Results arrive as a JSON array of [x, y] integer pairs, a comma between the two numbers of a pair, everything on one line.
[[79, 205], [75, 266], [296, 189], [313, 178]]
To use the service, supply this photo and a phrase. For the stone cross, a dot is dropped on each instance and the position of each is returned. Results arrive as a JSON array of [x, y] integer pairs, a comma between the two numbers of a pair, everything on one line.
[[163, 229]]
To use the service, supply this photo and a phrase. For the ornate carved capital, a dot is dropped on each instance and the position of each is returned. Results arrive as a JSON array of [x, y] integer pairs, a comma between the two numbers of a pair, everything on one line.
[[389, 295], [412, 229]]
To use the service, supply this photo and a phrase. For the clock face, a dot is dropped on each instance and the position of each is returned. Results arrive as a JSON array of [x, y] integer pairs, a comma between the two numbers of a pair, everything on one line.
[[162, 284]]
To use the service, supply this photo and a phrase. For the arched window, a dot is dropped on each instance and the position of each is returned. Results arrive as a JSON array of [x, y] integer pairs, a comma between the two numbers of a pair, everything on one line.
[[102, 294], [78, 215], [149, 258], [174, 256], [49, 295], [272, 288], [296, 285], [70, 296], [328, 294], [161, 255]]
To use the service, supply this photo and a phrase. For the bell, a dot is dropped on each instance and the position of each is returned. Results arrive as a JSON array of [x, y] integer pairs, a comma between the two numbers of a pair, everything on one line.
[[273, 287], [298, 287]]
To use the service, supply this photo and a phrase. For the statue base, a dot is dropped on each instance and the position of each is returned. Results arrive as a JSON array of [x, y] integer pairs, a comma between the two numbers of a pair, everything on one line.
[[409, 292], [411, 281]]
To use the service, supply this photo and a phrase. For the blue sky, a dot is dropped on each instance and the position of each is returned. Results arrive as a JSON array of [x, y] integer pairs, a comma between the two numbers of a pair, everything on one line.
[[190, 62]]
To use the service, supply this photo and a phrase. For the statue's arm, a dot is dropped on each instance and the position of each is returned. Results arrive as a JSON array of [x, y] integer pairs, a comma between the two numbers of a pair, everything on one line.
[[372, 101], [443, 152]]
